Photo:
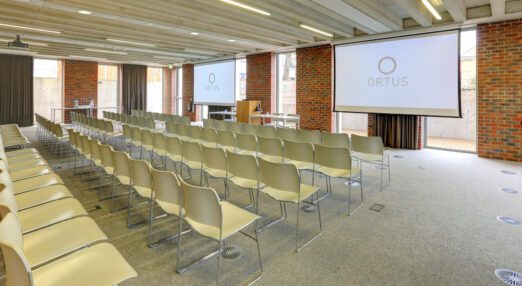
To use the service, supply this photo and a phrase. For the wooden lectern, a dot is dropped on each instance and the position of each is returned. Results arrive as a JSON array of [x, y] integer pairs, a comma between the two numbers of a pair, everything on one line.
[[246, 107]]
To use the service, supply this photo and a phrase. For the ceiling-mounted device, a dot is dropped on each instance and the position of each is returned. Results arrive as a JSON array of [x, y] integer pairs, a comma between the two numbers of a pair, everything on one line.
[[17, 44]]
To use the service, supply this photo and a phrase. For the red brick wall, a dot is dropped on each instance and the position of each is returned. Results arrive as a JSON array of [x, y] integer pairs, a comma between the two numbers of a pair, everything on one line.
[[314, 97], [499, 89], [169, 90], [260, 83], [80, 82], [188, 92]]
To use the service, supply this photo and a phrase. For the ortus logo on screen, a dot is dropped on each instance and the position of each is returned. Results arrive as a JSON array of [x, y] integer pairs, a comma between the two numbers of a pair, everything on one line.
[[386, 74], [211, 86]]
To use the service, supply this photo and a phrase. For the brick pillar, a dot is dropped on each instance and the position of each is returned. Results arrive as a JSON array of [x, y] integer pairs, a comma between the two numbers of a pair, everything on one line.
[[80, 82], [169, 90], [188, 93], [314, 96], [261, 77], [499, 90]]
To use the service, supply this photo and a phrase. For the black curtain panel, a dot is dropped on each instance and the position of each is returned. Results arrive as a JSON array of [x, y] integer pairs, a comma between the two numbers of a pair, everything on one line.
[[134, 87], [398, 131], [16, 90]]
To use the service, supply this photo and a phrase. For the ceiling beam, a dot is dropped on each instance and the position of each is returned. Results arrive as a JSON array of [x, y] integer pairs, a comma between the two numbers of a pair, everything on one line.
[[498, 8], [379, 12], [417, 11], [457, 9]]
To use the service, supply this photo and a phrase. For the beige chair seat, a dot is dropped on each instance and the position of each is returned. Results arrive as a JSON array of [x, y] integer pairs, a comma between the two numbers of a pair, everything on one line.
[[124, 180], [176, 158], [144, 192], [42, 196], [54, 241], [27, 164], [50, 213], [36, 183], [192, 164], [286, 196], [170, 208], [209, 144], [97, 162], [271, 158], [23, 158], [234, 219], [301, 165], [246, 152], [243, 183], [368, 157], [32, 172], [20, 152], [216, 173], [101, 264], [337, 173], [228, 148], [108, 170], [147, 147]]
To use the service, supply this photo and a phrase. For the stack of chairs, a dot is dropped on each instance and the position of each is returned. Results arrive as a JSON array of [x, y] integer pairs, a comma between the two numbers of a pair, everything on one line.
[[11, 136]]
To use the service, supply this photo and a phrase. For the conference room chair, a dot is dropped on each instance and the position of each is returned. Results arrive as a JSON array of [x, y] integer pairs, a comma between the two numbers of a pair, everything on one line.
[[336, 162], [192, 159], [166, 193], [371, 150], [194, 133], [248, 128], [220, 125], [286, 133], [159, 145], [96, 159], [267, 131], [214, 164], [134, 112], [185, 120], [209, 137], [27, 164], [336, 139], [151, 125], [146, 143], [140, 184], [309, 136], [26, 173], [170, 127], [121, 174], [111, 133], [142, 122], [214, 219], [301, 155], [246, 144], [242, 171], [136, 140], [162, 117], [282, 183], [270, 149], [182, 131], [107, 165], [174, 151], [127, 136], [226, 140], [155, 116], [234, 126], [86, 152], [135, 121], [208, 123]]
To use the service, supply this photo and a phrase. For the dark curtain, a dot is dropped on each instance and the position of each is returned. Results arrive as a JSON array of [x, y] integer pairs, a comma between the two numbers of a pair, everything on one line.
[[134, 87], [398, 131], [16, 90]]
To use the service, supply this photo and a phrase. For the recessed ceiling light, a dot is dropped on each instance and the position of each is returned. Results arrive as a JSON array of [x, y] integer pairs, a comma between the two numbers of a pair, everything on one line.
[[167, 58], [194, 33], [200, 52], [130, 42], [87, 58], [315, 30], [431, 9], [106, 51], [84, 12], [247, 7], [29, 28], [231, 40]]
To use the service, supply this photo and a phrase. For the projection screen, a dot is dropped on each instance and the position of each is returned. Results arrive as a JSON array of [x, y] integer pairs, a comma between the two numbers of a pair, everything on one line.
[[415, 75], [214, 83]]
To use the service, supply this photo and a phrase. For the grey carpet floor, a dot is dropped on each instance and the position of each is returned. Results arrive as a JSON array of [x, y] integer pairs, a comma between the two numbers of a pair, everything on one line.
[[438, 227]]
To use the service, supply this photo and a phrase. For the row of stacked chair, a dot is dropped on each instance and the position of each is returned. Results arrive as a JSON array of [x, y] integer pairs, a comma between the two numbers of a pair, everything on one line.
[[46, 236], [136, 116], [11, 137]]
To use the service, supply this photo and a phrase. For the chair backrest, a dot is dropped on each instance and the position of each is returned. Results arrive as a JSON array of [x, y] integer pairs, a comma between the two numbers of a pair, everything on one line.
[[106, 155], [246, 142], [333, 157], [185, 120], [174, 145], [220, 125], [202, 207], [95, 149], [242, 166], [299, 151], [136, 135], [249, 129], [135, 120], [166, 187], [234, 126], [86, 146], [127, 133], [214, 158], [286, 133], [279, 176], [226, 138], [209, 135], [194, 132], [109, 127], [146, 137], [171, 127], [208, 123], [267, 131], [18, 270], [336, 139], [121, 163], [270, 146], [151, 124], [159, 142], [182, 130], [141, 174], [367, 144], [191, 151], [142, 122], [309, 136]]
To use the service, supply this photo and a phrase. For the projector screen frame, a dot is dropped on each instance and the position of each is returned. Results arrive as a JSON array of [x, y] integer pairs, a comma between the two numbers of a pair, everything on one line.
[[459, 30], [213, 103]]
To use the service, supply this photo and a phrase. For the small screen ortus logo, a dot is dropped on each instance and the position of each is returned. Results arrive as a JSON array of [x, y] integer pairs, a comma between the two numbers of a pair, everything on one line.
[[211, 86], [387, 66]]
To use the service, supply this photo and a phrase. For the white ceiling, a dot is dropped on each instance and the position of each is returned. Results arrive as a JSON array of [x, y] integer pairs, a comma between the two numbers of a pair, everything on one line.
[[224, 29]]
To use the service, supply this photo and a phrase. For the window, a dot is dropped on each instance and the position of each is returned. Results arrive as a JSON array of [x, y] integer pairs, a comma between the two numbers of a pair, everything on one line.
[[241, 79], [107, 88], [286, 75], [353, 123], [155, 89], [179, 93], [47, 87], [459, 133]]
